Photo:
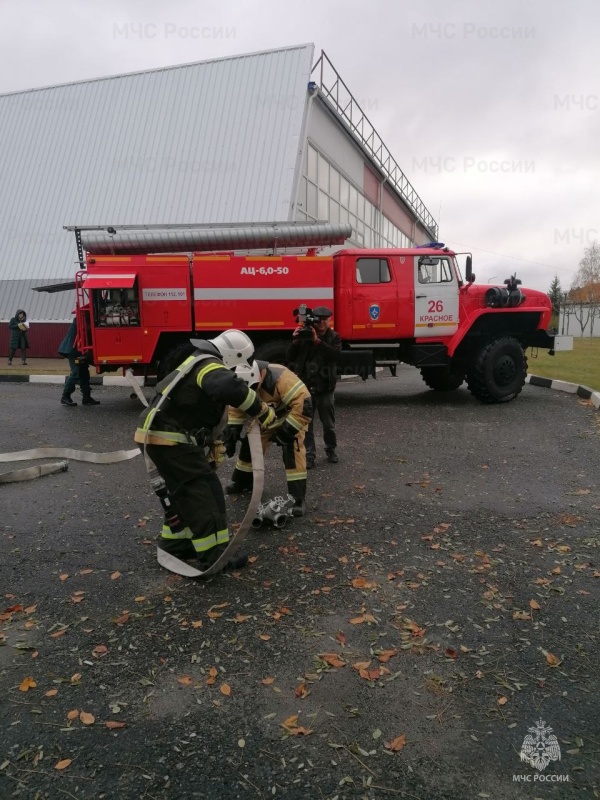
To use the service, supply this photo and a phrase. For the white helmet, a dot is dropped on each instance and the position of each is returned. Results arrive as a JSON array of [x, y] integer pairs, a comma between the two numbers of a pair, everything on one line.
[[234, 346], [249, 373]]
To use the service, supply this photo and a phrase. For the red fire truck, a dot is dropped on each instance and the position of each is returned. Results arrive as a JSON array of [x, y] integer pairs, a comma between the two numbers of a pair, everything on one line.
[[142, 293]]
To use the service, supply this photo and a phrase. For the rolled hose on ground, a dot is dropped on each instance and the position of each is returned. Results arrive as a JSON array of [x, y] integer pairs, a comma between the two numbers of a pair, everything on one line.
[[67, 453]]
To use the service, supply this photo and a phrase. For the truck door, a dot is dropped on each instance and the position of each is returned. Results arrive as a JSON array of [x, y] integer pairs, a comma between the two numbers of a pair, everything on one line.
[[436, 296], [116, 325], [375, 299]]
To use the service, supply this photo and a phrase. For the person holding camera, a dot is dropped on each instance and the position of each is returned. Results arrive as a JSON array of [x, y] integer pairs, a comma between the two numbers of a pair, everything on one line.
[[313, 356], [80, 371]]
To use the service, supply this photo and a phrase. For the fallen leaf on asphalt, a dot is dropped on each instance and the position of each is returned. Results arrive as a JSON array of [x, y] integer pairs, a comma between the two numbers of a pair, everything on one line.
[[64, 763], [537, 543], [396, 744], [361, 665], [122, 619], [185, 680], [340, 637], [521, 615], [502, 701], [100, 650], [59, 633], [332, 659], [241, 617], [64, 576], [264, 636], [73, 714], [30, 609], [112, 724], [294, 730], [535, 605], [86, 718], [225, 689], [301, 691], [76, 677], [268, 681], [212, 676], [363, 618], [214, 614], [115, 575], [27, 684], [551, 659], [363, 583], [51, 693], [85, 571], [385, 655], [197, 623]]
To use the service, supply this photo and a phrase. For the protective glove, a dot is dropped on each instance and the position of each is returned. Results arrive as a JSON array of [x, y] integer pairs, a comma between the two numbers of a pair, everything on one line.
[[285, 434], [231, 436], [216, 454], [267, 417]]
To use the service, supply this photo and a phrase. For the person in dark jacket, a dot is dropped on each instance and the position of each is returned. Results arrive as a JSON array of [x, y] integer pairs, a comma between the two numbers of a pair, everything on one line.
[[314, 360], [80, 370], [18, 336], [180, 433]]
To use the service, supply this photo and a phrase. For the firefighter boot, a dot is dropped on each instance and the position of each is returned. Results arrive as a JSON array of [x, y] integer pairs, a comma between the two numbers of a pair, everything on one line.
[[310, 461], [332, 457], [66, 400], [297, 492], [88, 400]]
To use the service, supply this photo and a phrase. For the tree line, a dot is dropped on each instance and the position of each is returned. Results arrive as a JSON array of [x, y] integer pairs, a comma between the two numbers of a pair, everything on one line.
[[583, 298]]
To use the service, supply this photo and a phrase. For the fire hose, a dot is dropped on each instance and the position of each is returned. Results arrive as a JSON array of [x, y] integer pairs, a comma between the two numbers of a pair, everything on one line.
[[29, 473]]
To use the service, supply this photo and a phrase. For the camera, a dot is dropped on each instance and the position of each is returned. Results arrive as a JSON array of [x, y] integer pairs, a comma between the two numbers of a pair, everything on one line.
[[305, 317]]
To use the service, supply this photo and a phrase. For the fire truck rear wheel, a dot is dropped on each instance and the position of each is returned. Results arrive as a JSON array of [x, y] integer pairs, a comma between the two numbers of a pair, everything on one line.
[[499, 371], [443, 379], [274, 352]]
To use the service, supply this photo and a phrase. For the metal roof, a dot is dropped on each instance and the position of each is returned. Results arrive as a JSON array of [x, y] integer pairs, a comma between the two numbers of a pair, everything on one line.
[[214, 141], [38, 306]]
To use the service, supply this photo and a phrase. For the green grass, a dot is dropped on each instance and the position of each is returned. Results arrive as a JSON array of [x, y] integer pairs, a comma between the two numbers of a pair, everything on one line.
[[580, 365]]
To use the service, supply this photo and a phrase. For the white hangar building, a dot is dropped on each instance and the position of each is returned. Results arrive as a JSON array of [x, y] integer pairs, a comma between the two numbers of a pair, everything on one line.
[[270, 136]]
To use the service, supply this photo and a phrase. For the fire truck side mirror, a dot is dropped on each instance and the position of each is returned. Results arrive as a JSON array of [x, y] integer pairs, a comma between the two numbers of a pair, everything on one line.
[[469, 276]]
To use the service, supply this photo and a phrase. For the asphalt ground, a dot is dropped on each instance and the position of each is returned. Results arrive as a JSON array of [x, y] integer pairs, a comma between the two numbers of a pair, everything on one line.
[[439, 598]]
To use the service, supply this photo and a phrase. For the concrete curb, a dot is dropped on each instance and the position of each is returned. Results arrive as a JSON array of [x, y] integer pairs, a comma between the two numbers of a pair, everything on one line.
[[562, 386], [118, 380], [95, 380]]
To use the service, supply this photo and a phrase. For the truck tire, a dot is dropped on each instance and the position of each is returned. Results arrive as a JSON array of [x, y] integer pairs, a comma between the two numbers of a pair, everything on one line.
[[499, 371], [274, 352], [443, 379], [173, 359]]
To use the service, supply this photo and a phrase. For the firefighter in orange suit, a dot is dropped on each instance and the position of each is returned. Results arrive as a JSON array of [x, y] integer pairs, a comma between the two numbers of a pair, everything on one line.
[[283, 391]]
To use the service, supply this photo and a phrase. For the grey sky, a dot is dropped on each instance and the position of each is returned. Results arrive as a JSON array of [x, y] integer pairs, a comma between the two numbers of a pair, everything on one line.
[[492, 109]]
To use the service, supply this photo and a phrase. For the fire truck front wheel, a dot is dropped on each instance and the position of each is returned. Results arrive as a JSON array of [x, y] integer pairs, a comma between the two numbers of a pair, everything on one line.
[[443, 379], [498, 372]]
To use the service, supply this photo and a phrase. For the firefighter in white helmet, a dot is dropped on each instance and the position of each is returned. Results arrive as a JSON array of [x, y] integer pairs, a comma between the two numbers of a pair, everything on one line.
[[180, 433], [291, 401]]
